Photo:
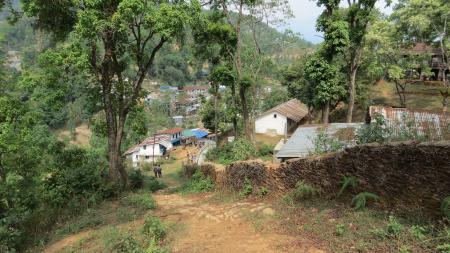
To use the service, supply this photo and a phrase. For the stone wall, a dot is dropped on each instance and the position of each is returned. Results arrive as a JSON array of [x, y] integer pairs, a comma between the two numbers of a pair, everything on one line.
[[405, 175]]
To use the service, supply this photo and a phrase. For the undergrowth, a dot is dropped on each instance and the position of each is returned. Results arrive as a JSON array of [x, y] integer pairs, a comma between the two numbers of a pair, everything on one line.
[[198, 183]]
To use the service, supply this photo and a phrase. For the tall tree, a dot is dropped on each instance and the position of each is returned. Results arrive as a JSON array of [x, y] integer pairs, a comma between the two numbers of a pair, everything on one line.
[[336, 39], [249, 12], [121, 39], [359, 14]]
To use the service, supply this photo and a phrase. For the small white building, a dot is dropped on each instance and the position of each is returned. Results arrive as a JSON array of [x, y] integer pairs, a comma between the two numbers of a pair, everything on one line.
[[151, 149], [282, 118]]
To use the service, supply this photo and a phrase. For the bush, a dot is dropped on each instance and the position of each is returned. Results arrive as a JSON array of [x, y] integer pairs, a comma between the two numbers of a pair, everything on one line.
[[128, 244], [198, 183], [154, 228], [265, 150], [445, 207], [136, 179], [247, 190], [394, 228], [374, 132], [263, 191], [325, 143], [142, 201], [360, 200], [152, 184], [304, 191], [238, 150]]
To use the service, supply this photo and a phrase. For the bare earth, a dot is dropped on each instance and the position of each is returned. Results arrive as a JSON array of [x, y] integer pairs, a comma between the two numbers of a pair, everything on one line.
[[202, 225]]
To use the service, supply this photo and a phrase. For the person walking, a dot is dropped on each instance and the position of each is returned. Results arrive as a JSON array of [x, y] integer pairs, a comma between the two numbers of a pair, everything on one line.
[[155, 170], [159, 171]]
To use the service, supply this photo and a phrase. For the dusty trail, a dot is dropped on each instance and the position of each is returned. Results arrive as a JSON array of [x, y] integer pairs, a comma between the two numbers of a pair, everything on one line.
[[208, 226]]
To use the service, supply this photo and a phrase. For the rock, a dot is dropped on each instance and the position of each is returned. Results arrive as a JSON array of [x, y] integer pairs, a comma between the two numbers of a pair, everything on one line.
[[269, 211]]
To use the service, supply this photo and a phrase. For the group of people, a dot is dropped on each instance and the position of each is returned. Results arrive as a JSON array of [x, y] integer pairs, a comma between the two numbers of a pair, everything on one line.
[[157, 169]]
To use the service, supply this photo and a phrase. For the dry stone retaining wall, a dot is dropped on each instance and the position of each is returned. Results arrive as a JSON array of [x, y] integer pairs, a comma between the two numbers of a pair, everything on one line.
[[405, 175]]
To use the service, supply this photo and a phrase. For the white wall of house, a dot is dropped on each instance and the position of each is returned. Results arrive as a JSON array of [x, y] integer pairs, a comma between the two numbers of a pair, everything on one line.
[[271, 123]]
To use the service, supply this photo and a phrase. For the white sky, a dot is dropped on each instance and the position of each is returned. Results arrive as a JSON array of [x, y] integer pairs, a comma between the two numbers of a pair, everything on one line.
[[306, 13]]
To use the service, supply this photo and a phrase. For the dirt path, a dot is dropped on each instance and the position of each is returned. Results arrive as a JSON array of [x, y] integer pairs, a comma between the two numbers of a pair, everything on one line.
[[207, 226]]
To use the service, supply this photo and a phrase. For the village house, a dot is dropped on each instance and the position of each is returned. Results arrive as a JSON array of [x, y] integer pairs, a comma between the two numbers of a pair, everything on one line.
[[175, 135], [434, 56], [281, 119], [151, 149], [195, 91]]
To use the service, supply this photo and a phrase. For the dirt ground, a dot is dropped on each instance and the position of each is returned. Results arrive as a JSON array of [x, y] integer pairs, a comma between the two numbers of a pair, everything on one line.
[[206, 223]]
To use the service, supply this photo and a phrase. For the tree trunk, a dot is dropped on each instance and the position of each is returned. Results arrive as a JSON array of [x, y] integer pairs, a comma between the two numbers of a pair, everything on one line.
[[401, 93], [245, 114], [326, 113], [215, 116], [352, 87]]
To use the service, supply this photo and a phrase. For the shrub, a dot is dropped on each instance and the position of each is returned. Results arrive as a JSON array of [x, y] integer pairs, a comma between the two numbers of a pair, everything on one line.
[[142, 201], [154, 228], [418, 232], [445, 207], [394, 228], [128, 244], [238, 150], [136, 179], [304, 191], [247, 190], [189, 169], [263, 191], [360, 201], [346, 182], [374, 132], [152, 184], [198, 183], [443, 248], [325, 143], [340, 229], [265, 150]]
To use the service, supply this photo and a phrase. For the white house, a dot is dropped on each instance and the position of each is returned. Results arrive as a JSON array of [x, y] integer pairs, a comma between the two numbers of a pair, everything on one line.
[[282, 118], [151, 148], [174, 135]]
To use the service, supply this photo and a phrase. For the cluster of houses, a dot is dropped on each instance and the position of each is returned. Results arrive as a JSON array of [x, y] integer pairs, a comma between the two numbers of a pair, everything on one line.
[[184, 101], [159, 145], [289, 119]]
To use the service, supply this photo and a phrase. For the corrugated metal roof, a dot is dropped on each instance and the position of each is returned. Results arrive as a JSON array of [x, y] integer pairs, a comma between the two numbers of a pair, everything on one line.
[[163, 140], [301, 142], [293, 109], [423, 121]]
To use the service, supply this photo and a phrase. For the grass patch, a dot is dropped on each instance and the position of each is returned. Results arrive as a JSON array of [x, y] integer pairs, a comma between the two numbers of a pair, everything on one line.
[[198, 183], [365, 230], [89, 219], [142, 201]]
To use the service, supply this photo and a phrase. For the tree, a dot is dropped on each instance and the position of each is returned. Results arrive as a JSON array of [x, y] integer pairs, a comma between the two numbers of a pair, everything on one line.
[[336, 39], [121, 40], [249, 12], [427, 21]]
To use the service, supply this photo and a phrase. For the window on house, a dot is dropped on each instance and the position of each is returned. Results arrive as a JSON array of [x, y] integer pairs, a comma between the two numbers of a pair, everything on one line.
[[137, 156], [274, 116], [147, 157], [145, 147]]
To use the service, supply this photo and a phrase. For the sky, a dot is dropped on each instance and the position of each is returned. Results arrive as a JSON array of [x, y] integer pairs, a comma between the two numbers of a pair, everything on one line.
[[306, 13]]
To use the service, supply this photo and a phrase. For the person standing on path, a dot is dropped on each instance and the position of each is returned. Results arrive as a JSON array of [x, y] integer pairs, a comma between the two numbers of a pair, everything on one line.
[[155, 170], [159, 171]]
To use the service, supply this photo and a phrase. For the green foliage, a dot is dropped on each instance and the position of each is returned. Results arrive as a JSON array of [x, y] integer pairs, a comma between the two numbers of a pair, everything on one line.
[[443, 248], [154, 228], [88, 219], [445, 207], [198, 183], [265, 150], [394, 228], [325, 143], [346, 182], [128, 244], [136, 179], [152, 184], [418, 232], [141, 201], [238, 150], [340, 229], [247, 189], [374, 132], [263, 191], [304, 191], [360, 201]]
